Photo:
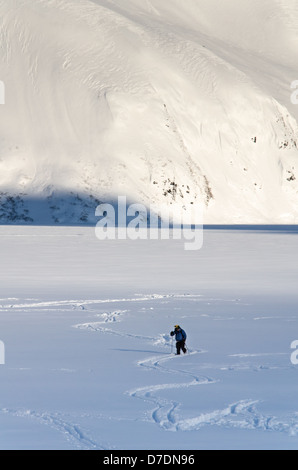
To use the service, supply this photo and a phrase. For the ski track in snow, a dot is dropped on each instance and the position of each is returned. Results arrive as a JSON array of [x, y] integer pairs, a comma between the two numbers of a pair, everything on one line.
[[72, 432], [242, 414], [81, 304], [234, 414], [165, 412]]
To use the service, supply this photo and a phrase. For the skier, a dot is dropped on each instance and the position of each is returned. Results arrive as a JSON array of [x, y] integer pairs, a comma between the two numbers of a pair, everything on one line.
[[180, 339]]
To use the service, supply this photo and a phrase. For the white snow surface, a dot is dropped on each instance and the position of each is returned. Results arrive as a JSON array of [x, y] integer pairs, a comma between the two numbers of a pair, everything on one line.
[[124, 97], [88, 362]]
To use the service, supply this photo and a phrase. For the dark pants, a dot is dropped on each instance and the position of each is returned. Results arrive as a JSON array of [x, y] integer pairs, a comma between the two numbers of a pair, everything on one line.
[[180, 345]]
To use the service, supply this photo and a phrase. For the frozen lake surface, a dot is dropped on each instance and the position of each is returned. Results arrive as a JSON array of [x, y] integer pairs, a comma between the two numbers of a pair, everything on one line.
[[88, 362]]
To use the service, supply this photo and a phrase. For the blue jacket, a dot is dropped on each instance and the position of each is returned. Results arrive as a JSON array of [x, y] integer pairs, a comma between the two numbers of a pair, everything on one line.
[[180, 335]]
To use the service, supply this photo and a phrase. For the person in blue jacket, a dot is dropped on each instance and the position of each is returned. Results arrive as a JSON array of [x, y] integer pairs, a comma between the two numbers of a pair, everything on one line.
[[180, 336]]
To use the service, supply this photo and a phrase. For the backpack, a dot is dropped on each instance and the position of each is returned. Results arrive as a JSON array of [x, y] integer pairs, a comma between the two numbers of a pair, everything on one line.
[[184, 336]]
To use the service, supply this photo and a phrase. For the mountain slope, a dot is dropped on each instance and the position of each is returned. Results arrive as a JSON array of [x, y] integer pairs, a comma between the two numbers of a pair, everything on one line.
[[108, 98]]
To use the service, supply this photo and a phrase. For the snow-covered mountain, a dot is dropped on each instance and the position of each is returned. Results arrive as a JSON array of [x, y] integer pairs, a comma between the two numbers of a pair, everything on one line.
[[163, 102]]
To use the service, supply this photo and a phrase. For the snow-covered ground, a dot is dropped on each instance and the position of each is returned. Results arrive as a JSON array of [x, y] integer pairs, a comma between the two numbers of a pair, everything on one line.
[[88, 362], [166, 103]]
